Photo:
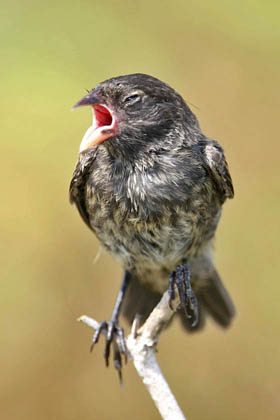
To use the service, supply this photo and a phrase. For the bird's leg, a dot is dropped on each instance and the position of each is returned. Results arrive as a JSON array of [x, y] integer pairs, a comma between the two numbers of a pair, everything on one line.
[[114, 333], [181, 277], [171, 290]]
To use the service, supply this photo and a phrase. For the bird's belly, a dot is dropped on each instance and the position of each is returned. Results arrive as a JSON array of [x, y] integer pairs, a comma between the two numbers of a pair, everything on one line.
[[145, 245], [149, 248]]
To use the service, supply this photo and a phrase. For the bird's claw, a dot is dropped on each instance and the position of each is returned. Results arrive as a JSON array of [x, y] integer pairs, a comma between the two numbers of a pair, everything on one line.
[[114, 336], [181, 277]]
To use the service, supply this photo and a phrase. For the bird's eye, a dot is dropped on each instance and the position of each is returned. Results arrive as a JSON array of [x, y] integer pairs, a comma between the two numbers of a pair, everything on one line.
[[131, 99]]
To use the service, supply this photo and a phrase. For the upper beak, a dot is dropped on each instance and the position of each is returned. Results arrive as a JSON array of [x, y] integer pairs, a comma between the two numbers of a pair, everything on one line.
[[91, 98], [104, 124]]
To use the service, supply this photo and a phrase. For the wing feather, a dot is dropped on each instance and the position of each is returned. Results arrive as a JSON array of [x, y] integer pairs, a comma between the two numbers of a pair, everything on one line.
[[78, 183], [219, 170]]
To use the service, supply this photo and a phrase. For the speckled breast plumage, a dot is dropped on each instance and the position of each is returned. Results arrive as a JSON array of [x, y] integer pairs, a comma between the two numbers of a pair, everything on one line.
[[149, 223]]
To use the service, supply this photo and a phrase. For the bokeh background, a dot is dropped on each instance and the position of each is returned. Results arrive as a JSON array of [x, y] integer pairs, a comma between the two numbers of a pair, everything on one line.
[[223, 57]]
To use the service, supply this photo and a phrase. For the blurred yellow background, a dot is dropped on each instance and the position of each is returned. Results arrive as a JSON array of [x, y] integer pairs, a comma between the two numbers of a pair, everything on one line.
[[223, 57]]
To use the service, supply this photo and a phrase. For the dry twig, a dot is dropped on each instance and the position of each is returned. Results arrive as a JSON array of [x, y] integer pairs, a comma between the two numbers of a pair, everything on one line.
[[141, 345]]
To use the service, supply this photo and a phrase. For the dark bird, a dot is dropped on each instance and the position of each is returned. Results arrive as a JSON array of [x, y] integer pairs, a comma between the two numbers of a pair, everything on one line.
[[151, 185]]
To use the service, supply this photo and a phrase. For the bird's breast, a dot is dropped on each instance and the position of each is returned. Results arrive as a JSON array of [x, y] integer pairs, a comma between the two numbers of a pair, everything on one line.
[[149, 217], [141, 236]]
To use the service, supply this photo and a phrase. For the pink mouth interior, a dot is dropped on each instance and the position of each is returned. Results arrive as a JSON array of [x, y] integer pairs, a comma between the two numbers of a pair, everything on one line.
[[102, 116], [103, 127]]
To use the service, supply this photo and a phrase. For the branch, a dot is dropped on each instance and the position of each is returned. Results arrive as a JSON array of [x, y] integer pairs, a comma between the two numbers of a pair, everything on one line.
[[141, 346]]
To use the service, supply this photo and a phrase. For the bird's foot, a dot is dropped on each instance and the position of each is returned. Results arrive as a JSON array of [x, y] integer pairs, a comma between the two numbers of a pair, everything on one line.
[[181, 277], [114, 336]]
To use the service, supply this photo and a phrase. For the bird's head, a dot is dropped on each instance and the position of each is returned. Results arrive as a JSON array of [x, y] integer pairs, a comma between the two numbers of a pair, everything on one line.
[[133, 111]]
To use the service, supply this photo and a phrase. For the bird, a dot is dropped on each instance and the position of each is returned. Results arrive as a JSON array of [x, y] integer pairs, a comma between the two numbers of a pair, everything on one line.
[[151, 187]]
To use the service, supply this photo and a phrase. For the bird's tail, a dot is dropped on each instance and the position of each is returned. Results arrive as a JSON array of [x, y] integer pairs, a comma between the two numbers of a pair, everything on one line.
[[140, 300], [213, 299]]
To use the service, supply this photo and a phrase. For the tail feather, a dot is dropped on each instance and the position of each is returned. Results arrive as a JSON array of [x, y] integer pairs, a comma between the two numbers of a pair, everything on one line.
[[216, 300], [213, 300], [140, 300]]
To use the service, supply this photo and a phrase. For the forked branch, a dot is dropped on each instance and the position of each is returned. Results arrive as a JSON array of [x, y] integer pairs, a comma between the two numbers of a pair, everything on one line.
[[141, 344]]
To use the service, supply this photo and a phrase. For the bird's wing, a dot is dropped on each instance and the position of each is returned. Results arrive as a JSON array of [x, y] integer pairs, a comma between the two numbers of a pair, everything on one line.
[[216, 162], [78, 183]]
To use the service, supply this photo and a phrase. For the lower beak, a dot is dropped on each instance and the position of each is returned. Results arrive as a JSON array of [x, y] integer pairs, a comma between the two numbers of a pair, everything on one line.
[[104, 125]]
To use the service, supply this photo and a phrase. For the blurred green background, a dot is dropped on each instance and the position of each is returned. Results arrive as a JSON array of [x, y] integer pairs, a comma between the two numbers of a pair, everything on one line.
[[223, 57]]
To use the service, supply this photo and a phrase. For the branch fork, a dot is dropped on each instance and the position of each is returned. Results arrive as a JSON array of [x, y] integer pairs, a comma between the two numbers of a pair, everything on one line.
[[141, 344]]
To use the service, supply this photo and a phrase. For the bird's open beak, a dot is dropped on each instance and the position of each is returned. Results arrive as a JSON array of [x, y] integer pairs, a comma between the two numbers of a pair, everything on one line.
[[103, 125]]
